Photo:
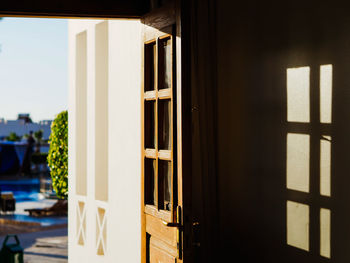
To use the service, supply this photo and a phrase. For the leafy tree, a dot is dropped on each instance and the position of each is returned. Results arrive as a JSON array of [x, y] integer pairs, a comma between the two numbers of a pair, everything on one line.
[[58, 155], [13, 137], [38, 135]]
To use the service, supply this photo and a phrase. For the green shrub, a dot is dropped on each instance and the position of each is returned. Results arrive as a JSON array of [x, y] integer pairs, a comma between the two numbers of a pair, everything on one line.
[[58, 155], [13, 137]]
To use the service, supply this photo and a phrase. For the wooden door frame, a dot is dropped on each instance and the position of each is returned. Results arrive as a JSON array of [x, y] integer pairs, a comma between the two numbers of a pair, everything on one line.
[[75, 9]]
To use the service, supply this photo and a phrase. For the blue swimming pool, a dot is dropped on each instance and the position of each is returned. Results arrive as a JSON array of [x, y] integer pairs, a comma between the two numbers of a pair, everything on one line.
[[23, 190], [27, 194]]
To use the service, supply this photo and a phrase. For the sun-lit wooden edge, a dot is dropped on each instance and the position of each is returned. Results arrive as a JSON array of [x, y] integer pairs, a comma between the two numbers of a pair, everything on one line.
[[164, 155], [150, 41], [142, 199], [164, 93], [165, 36], [150, 153], [150, 95], [162, 214], [182, 105]]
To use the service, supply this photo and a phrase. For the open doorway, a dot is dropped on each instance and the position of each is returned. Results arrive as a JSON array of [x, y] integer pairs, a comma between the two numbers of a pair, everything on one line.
[[105, 136], [34, 88]]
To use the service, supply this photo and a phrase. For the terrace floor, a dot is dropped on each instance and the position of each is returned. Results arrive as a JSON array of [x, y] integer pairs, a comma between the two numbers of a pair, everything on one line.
[[50, 246]]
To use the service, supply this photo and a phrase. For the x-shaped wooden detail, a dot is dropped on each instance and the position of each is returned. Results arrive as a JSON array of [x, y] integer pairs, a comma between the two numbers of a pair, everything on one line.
[[101, 231], [81, 223]]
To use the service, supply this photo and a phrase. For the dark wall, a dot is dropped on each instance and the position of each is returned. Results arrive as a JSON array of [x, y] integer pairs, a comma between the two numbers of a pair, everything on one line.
[[256, 43]]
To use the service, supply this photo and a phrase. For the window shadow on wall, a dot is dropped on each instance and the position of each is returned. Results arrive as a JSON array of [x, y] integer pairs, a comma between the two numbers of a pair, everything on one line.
[[283, 174], [308, 159], [307, 156]]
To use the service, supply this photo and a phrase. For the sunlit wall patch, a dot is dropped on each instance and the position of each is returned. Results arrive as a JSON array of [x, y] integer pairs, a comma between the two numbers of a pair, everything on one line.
[[325, 166], [298, 94], [325, 232], [298, 159], [298, 225], [326, 81]]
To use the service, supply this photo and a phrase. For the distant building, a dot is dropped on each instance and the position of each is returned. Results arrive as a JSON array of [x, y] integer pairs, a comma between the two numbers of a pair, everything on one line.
[[25, 117], [23, 125]]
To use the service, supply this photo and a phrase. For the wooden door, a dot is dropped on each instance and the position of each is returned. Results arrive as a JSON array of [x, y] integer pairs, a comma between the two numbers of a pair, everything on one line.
[[161, 173]]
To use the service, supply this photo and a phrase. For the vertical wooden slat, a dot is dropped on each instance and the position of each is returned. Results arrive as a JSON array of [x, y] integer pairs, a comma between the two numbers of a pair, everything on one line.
[[172, 131], [156, 121]]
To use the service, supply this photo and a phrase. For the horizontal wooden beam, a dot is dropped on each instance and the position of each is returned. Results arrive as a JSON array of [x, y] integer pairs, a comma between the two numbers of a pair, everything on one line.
[[76, 8]]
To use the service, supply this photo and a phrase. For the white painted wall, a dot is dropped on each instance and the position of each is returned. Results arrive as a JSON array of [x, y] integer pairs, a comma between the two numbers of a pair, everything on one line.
[[122, 207]]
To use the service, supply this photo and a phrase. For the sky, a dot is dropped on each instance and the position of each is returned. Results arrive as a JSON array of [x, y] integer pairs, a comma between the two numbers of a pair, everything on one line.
[[33, 67]]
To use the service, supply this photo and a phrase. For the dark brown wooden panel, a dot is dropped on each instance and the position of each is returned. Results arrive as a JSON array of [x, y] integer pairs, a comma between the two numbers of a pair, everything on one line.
[[161, 17], [77, 8]]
